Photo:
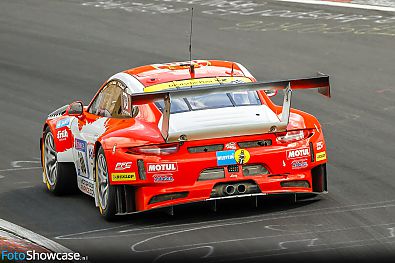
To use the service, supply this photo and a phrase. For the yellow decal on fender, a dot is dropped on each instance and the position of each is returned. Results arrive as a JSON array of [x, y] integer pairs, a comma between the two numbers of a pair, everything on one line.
[[320, 156], [122, 177], [196, 82], [242, 156]]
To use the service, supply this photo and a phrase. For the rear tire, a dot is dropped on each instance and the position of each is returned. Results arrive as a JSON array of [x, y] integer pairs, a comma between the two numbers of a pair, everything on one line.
[[106, 193], [60, 178]]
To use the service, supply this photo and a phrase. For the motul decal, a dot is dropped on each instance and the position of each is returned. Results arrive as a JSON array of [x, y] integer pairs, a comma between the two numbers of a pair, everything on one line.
[[302, 152], [161, 167]]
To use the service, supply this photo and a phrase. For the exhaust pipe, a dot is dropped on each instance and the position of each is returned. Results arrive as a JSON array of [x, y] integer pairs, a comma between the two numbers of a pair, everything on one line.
[[230, 189], [241, 188]]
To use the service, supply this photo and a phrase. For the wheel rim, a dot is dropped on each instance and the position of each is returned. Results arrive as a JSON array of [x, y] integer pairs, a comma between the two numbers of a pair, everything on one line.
[[51, 161], [102, 180]]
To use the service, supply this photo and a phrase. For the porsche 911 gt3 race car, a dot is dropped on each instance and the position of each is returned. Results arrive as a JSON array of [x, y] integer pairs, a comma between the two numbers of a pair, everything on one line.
[[168, 134]]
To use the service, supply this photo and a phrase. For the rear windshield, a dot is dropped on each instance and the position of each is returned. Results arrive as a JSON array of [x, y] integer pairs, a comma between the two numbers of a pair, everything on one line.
[[212, 101]]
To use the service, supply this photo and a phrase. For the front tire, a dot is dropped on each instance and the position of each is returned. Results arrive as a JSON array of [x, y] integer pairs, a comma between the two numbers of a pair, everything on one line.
[[60, 178], [104, 191]]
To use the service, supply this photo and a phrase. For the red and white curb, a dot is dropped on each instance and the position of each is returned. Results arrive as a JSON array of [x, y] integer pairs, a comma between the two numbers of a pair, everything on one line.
[[31, 237], [369, 5]]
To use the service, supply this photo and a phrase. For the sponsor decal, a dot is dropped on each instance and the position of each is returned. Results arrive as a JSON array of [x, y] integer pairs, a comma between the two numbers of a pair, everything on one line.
[[299, 164], [91, 156], [123, 166], [319, 145], [163, 178], [82, 163], [87, 187], [320, 156], [80, 145], [230, 146], [122, 177], [242, 156], [62, 135], [195, 82], [161, 167], [302, 152], [226, 157], [63, 123]]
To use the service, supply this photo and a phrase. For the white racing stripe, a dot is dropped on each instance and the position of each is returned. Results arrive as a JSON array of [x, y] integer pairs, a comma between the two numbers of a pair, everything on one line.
[[342, 4], [33, 237]]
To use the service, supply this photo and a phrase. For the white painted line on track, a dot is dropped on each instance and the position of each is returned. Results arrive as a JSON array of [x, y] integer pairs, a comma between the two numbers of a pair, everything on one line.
[[342, 4], [16, 164], [257, 218], [33, 237]]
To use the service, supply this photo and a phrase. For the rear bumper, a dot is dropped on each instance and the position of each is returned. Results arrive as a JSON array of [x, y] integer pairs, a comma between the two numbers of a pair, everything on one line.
[[160, 181], [151, 197]]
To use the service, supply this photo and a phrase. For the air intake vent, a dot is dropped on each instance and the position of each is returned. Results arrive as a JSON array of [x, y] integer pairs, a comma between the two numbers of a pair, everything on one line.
[[258, 143], [167, 197], [255, 169], [141, 168], [296, 183], [206, 148], [212, 174]]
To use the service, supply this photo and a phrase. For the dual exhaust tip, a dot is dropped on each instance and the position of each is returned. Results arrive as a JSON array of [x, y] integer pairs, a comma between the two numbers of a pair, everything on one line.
[[231, 189]]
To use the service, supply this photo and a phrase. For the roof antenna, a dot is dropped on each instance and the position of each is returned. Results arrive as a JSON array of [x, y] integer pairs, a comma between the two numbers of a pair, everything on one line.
[[191, 65], [231, 73]]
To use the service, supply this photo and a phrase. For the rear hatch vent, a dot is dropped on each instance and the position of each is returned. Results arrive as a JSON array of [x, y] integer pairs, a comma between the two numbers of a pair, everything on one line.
[[257, 143], [206, 148]]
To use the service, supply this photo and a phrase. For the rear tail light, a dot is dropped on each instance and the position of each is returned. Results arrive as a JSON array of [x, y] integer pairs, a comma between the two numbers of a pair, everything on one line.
[[293, 136], [158, 149]]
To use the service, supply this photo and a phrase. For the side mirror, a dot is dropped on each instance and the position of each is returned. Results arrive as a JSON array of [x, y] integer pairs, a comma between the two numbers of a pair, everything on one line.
[[270, 93], [76, 108]]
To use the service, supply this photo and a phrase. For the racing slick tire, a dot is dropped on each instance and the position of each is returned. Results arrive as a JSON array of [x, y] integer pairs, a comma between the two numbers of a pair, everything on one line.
[[106, 193], [60, 178]]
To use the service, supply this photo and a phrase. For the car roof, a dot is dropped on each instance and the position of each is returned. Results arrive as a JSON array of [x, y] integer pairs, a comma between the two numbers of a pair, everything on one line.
[[155, 74]]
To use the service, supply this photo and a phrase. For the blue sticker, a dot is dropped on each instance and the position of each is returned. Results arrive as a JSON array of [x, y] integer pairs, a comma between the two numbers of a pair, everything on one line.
[[80, 145], [62, 123], [226, 157]]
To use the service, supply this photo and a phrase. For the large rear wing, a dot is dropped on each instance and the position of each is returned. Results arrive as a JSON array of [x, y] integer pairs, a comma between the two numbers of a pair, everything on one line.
[[321, 82]]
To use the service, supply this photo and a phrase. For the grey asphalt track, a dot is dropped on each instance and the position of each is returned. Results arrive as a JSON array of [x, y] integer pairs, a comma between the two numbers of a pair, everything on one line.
[[53, 52]]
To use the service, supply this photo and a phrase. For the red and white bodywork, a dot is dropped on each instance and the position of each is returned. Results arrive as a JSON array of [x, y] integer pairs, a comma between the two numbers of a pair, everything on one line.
[[174, 134]]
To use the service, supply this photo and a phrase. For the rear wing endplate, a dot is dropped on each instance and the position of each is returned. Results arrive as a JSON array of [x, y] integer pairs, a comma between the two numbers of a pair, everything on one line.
[[321, 82]]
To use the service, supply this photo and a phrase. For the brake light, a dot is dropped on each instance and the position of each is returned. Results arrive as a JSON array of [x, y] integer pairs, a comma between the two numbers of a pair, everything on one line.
[[158, 149], [292, 136]]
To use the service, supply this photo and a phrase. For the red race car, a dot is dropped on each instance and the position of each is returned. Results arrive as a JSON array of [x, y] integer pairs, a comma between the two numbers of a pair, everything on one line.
[[168, 134]]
